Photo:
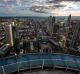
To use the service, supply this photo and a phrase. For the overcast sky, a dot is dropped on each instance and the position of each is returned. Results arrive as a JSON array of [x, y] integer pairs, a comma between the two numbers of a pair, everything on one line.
[[39, 7]]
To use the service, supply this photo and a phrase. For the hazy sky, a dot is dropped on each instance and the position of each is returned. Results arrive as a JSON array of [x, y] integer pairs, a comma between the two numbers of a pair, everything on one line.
[[39, 7]]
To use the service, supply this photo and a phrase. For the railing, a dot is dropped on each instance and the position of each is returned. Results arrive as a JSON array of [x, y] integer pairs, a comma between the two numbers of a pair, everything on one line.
[[36, 61]]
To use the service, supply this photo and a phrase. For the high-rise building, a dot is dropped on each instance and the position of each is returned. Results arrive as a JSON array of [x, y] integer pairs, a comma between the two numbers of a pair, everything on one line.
[[67, 25], [2, 35], [51, 25], [69, 20], [9, 34], [76, 35]]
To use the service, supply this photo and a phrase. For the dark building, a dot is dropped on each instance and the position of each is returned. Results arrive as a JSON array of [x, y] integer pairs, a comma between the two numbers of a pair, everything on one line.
[[76, 35], [73, 38]]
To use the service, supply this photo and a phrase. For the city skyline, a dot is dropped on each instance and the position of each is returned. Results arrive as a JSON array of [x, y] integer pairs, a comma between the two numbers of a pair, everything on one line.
[[39, 7], [30, 43]]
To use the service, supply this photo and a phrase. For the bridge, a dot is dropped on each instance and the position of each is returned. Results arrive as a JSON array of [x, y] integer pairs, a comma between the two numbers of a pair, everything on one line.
[[39, 60]]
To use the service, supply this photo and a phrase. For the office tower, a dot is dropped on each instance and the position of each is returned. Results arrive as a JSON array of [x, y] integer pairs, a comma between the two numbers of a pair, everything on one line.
[[76, 36], [16, 40], [56, 28], [67, 25], [9, 34], [61, 28], [53, 19], [51, 24], [15, 29], [2, 34], [11, 31], [69, 20]]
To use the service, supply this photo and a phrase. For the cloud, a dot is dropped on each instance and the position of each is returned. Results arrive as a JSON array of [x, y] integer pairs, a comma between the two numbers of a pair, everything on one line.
[[54, 6], [40, 6]]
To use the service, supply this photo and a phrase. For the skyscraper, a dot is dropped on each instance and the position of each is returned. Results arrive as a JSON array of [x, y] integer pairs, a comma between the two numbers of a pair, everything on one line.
[[9, 34], [76, 33], [67, 25], [69, 20], [51, 24]]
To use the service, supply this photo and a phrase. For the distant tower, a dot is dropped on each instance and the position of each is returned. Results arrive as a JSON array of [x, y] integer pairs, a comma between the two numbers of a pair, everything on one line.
[[67, 25], [69, 20], [53, 19], [51, 24]]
